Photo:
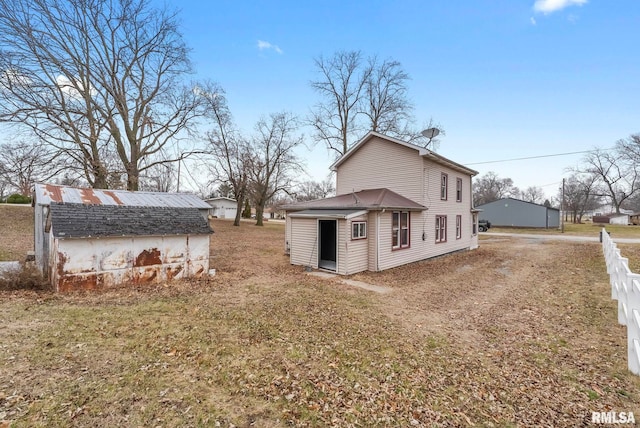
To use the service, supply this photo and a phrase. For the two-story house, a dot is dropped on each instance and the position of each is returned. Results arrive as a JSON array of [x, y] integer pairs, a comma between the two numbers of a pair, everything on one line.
[[397, 203]]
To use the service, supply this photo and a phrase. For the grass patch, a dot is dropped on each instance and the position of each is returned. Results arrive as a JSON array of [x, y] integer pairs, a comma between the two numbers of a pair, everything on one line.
[[583, 229], [524, 335]]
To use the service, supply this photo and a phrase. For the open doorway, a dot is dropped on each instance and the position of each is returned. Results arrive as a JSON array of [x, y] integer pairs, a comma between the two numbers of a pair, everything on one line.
[[327, 244]]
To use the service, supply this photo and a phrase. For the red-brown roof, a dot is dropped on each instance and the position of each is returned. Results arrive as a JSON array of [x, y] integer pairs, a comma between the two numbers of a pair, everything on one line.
[[370, 199]]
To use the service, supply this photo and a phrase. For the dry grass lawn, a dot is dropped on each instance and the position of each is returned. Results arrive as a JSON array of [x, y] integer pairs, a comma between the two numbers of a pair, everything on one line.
[[517, 333], [16, 231]]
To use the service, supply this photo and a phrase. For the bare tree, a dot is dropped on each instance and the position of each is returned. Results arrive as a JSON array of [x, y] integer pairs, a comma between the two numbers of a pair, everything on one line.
[[359, 95], [5, 186], [25, 164], [231, 153], [533, 194], [617, 172], [159, 178], [310, 190], [386, 104], [92, 76], [579, 195], [273, 161], [490, 187], [341, 85]]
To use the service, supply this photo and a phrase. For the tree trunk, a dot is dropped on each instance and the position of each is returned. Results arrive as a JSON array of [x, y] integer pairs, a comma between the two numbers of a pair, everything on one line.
[[100, 176], [133, 176], [239, 207], [259, 214]]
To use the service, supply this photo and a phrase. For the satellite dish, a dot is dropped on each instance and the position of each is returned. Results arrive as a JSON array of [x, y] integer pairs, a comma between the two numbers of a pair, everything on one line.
[[430, 133]]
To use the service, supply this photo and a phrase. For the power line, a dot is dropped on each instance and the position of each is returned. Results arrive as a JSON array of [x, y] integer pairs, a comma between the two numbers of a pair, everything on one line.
[[535, 157]]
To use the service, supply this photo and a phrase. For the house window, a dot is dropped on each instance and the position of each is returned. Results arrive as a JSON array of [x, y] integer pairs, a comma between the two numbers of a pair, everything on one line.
[[400, 229], [458, 226], [359, 230], [441, 228], [444, 179], [458, 189], [475, 224]]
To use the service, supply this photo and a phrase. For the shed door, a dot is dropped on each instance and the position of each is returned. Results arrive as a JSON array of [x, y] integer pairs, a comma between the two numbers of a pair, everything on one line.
[[327, 243]]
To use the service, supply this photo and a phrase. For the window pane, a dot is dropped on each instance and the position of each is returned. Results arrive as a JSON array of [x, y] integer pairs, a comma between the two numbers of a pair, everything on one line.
[[405, 237]]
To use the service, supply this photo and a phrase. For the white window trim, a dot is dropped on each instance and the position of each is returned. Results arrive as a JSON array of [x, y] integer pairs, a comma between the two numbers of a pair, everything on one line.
[[358, 223]]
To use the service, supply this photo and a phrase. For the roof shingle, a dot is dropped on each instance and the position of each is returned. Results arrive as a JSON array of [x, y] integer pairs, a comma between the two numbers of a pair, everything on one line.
[[370, 199], [83, 221]]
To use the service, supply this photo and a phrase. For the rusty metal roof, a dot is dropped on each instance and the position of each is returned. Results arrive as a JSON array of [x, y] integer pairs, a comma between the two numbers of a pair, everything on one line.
[[370, 199], [92, 221], [45, 194]]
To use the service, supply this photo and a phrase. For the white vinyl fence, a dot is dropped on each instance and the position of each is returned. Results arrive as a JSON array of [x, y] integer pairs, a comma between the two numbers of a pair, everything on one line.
[[625, 288]]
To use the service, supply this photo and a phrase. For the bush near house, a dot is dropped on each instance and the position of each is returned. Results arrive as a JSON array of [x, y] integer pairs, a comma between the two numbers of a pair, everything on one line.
[[17, 198]]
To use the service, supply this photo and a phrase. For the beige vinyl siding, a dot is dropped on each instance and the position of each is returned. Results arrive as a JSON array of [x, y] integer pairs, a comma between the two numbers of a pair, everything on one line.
[[425, 221], [358, 250], [388, 256], [341, 253], [370, 168], [287, 233], [449, 208], [304, 245], [372, 243]]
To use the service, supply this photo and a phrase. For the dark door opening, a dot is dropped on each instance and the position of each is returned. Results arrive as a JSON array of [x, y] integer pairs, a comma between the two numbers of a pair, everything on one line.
[[327, 243]]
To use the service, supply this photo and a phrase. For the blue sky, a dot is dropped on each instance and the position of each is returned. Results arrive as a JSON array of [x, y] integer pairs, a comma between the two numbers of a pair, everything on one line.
[[505, 78]]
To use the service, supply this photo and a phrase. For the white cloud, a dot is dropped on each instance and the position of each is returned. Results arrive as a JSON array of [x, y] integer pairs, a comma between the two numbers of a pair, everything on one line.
[[70, 88], [533, 21], [11, 77], [262, 45], [549, 6]]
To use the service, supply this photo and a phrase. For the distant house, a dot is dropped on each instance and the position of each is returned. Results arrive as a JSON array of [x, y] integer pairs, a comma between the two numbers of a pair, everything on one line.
[[615, 218], [273, 212], [513, 212], [91, 239], [222, 207], [396, 203]]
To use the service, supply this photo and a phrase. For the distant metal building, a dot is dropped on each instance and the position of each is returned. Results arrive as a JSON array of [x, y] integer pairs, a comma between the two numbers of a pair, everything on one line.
[[517, 213], [90, 239], [222, 207]]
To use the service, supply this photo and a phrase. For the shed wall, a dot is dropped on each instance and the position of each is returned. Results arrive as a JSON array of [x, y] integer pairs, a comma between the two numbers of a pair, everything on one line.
[[40, 238], [304, 241], [356, 250], [515, 213], [91, 263], [622, 219]]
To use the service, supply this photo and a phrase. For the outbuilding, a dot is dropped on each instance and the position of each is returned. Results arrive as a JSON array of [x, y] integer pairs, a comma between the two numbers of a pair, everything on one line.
[[92, 239], [511, 212], [222, 207]]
